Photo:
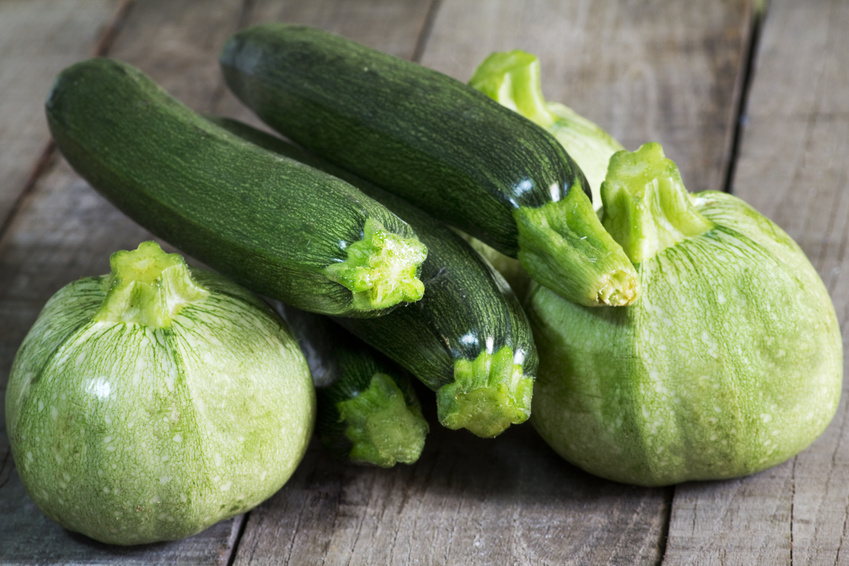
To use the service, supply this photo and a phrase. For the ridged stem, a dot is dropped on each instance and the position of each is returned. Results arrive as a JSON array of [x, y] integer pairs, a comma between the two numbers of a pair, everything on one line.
[[512, 78], [646, 206], [148, 286], [563, 246]]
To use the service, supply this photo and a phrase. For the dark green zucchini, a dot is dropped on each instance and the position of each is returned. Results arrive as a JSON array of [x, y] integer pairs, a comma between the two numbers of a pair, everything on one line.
[[468, 338], [368, 410], [437, 142], [276, 226]]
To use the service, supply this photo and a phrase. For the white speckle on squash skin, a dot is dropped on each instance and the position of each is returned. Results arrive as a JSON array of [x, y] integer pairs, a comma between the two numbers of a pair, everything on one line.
[[254, 472], [787, 388]]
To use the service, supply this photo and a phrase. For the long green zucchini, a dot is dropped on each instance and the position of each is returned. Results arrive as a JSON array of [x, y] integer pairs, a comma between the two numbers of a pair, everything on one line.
[[438, 142], [368, 410], [276, 226], [467, 339]]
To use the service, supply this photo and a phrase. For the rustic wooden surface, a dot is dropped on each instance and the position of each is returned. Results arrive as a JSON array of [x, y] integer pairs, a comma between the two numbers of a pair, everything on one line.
[[659, 70]]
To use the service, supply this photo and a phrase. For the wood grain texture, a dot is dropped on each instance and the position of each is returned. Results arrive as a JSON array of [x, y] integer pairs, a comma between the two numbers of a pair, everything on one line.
[[741, 522], [644, 71], [37, 39], [791, 167], [467, 501]]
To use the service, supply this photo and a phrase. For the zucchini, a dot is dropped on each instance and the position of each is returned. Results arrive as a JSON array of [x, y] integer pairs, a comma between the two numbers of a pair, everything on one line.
[[438, 142], [274, 225], [468, 339], [368, 411]]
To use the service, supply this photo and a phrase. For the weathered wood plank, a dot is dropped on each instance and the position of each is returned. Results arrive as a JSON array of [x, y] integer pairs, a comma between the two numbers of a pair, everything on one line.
[[37, 39], [177, 44], [792, 167], [742, 521], [467, 501], [644, 71]]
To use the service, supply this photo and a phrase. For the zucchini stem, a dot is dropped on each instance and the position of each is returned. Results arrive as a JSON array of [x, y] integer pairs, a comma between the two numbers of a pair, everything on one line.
[[381, 270], [383, 428], [563, 246], [488, 394], [148, 286], [646, 206], [512, 78]]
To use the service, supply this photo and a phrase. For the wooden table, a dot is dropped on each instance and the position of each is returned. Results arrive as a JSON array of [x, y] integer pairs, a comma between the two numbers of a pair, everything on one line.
[[755, 102]]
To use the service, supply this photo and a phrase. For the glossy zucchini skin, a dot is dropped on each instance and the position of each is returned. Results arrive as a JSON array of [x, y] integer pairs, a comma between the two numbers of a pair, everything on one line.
[[270, 223], [438, 142], [368, 411], [403, 126], [467, 311]]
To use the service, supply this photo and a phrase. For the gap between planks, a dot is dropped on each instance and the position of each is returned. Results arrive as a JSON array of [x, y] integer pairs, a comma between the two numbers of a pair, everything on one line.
[[759, 10]]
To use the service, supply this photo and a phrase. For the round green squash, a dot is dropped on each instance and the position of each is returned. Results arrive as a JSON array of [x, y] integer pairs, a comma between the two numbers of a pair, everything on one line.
[[729, 363], [151, 403]]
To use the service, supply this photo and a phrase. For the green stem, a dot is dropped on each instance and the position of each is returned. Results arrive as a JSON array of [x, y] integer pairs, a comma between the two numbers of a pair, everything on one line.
[[488, 394], [148, 286], [513, 79], [646, 206], [381, 270], [383, 428], [563, 246]]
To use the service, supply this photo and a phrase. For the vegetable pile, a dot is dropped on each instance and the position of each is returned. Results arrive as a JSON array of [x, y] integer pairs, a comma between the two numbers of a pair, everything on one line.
[[470, 245]]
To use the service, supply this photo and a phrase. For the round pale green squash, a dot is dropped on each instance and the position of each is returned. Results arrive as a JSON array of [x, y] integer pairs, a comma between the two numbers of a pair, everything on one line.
[[151, 403], [730, 361]]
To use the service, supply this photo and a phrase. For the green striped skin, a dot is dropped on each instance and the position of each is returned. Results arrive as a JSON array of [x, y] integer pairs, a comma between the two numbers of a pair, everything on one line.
[[437, 142], [274, 225], [468, 339], [368, 411], [132, 433]]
